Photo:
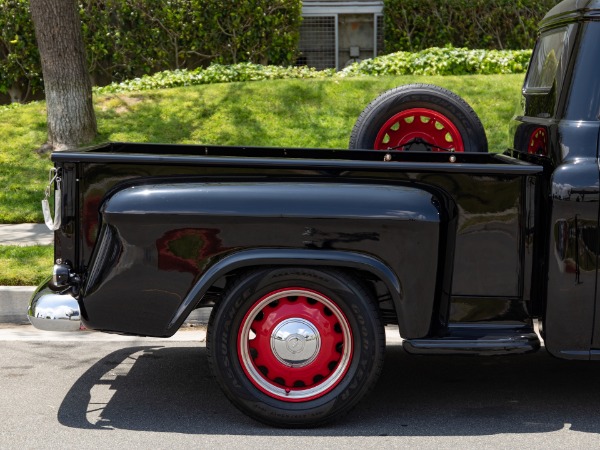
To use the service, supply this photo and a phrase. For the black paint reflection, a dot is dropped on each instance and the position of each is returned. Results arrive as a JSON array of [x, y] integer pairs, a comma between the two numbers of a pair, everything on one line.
[[188, 249]]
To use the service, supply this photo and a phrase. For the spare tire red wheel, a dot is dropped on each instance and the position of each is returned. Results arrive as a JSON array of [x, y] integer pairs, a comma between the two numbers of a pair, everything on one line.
[[419, 117], [296, 347]]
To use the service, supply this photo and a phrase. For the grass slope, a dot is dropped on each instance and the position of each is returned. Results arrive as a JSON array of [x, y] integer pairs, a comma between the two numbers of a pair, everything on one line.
[[25, 266]]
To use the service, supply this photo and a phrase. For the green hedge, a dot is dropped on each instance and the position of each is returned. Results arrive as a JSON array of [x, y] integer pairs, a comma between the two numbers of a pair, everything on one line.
[[443, 61], [216, 73], [20, 70], [412, 25], [129, 38], [434, 61]]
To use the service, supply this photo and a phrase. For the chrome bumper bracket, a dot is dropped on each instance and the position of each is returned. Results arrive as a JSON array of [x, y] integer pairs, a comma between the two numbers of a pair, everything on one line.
[[50, 311]]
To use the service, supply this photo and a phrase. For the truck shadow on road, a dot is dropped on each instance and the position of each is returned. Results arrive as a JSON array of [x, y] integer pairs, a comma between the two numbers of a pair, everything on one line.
[[169, 389]]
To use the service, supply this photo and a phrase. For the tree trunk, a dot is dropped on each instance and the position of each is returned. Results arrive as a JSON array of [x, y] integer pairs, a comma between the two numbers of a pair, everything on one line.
[[71, 118]]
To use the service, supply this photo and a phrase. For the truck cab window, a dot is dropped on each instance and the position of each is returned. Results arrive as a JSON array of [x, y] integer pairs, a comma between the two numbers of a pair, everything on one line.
[[549, 61]]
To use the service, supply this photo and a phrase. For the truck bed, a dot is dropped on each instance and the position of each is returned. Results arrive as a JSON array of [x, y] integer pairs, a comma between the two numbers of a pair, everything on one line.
[[475, 268]]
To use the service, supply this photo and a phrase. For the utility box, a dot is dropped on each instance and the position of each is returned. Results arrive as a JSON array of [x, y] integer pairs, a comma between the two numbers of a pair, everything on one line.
[[334, 34]]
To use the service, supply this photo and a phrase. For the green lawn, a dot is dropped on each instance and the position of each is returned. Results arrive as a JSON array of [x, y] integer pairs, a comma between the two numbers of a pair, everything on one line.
[[302, 113], [25, 266], [298, 113]]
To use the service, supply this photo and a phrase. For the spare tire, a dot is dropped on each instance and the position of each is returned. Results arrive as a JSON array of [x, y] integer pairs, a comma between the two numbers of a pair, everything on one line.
[[419, 117]]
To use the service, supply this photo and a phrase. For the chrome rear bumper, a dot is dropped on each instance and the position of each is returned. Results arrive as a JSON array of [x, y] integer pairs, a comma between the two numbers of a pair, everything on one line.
[[50, 311]]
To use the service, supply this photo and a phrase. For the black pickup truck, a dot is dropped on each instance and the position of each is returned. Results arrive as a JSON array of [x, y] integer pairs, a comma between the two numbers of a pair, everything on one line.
[[305, 255]]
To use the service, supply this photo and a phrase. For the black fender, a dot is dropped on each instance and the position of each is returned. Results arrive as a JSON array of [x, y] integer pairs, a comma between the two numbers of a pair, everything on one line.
[[162, 245], [286, 257]]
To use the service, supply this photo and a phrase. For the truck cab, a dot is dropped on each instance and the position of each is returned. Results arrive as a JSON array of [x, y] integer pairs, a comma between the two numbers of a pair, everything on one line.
[[557, 126]]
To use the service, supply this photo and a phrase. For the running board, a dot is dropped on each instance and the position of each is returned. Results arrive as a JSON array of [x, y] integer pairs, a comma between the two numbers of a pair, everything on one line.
[[469, 341]]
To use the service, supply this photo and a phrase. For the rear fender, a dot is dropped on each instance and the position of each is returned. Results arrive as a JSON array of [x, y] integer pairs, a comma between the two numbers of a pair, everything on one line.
[[278, 257], [162, 245]]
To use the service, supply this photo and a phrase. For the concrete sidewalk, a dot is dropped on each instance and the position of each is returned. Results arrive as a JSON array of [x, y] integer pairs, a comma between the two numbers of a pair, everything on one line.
[[13, 304], [26, 234]]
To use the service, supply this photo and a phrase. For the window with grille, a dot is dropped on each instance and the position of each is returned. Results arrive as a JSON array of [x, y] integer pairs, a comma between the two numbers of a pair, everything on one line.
[[317, 42], [379, 35]]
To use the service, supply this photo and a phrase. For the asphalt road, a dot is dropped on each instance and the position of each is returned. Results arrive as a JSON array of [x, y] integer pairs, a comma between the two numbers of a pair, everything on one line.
[[142, 393]]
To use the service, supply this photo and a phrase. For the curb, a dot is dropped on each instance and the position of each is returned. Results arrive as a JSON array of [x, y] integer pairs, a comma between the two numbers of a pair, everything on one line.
[[13, 304]]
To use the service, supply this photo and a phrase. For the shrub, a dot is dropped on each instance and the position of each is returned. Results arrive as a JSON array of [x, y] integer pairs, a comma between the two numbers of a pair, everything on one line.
[[130, 38], [434, 61], [412, 25], [443, 61], [20, 70], [216, 73], [127, 38]]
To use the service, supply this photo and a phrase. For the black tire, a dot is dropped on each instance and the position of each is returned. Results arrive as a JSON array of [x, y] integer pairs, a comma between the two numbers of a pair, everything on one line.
[[305, 376], [457, 120], [532, 139]]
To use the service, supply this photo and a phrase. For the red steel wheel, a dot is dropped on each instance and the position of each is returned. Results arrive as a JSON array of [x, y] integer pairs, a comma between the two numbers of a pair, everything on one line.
[[419, 126], [538, 142], [419, 117], [295, 344]]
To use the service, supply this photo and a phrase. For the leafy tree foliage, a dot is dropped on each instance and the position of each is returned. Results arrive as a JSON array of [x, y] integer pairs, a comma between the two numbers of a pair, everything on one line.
[[20, 71], [412, 25], [129, 38]]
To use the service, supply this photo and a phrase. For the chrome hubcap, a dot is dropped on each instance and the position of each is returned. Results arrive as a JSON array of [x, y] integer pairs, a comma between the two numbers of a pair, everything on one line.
[[295, 342]]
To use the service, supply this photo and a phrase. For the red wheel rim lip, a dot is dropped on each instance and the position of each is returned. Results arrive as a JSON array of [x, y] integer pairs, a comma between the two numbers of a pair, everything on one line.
[[294, 394], [426, 131]]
